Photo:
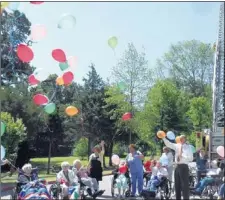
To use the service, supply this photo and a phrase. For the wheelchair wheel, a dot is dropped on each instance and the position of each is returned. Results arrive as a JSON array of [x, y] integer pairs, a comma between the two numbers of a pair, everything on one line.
[[55, 191], [166, 190], [113, 187]]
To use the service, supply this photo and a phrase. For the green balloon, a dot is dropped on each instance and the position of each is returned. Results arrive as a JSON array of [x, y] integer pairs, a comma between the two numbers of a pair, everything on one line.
[[3, 127], [121, 85], [50, 108], [112, 42], [63, 66]]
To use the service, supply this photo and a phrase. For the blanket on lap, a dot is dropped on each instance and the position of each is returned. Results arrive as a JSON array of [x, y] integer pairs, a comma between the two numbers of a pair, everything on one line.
[[35, 190]]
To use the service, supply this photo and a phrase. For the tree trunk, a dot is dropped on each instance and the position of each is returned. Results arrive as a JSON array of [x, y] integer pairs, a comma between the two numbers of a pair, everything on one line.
[[49, 155], [110, 149], [89, 147]]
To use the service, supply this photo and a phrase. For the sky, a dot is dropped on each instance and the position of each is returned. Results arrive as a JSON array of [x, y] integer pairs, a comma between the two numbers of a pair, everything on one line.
[[151, 26]]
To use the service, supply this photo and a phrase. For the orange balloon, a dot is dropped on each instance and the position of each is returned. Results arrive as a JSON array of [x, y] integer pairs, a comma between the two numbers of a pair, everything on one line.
[[71, 111], [59, 81], [178, 139], [161, 134]]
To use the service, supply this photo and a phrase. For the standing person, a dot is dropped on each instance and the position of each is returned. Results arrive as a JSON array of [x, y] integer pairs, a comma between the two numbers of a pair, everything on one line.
[[169, 156], [134, 162], [183, 155], [96, 162], [201, 161]]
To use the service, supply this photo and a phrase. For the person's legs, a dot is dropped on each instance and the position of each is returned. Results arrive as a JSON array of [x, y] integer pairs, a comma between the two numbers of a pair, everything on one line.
[[87, 182], [221, 192], [134, 183], [170, 173], [65, 190], [140, 182], [177, 182], [94, 183], [198, 176], [184, 179]]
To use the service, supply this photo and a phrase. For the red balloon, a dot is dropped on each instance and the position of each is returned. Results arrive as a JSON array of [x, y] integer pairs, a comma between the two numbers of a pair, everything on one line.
[[68, 77], [37, 2], [25, 53], [59, 55], [32, 80], [126, 116], [40, 99]]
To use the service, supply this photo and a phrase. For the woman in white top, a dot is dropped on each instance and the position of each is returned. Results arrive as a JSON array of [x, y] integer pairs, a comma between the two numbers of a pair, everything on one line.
[[169, 156]]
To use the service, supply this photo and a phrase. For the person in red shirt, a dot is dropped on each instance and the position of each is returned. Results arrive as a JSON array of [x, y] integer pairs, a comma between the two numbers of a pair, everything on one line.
[[147, 166]]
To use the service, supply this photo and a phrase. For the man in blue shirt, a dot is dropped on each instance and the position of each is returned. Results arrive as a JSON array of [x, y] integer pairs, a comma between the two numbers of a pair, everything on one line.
[[201, 161]]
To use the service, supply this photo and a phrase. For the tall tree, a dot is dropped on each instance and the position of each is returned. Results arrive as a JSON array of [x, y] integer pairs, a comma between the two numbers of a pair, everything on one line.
[[190, 64], [15, 29], [132, 70]]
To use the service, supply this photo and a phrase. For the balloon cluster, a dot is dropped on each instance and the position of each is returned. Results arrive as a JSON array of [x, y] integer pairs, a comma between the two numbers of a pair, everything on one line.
[[3, 128], [171, 136]]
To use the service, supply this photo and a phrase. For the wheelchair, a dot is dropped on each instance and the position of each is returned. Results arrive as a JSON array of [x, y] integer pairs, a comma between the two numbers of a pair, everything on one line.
[[55, 191], [113, 183], [146, 178]]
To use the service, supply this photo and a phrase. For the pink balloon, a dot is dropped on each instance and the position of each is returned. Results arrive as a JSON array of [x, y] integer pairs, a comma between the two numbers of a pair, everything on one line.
[[68, 77], [40, 99], [220, 151], [115, 159], [72, 61], [38, 32], [32, 80]]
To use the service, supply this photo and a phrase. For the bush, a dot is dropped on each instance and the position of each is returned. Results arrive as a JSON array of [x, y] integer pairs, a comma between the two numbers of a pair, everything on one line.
[[81, 148], [119, 149]]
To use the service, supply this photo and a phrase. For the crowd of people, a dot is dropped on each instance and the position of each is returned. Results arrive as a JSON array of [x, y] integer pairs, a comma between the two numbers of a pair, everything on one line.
[[174, 162]]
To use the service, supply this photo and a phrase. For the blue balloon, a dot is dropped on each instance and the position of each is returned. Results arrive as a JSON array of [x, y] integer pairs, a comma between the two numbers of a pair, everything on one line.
[[13, 5], [2, 152], [170, 135]]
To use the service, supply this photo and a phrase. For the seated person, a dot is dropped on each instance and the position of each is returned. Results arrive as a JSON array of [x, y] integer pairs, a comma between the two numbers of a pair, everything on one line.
[[121, 180], [201, 161], [28, 174], [154, 168], [67, 179], [91, 183], [147, 166], [161, 173], [215, 171]]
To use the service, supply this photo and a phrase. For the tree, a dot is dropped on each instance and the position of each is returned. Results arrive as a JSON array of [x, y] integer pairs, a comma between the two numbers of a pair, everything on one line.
[[15, 30], [15, 133], [164, 109], [190, 64], [132, 69], [200, 113], [81, 148]]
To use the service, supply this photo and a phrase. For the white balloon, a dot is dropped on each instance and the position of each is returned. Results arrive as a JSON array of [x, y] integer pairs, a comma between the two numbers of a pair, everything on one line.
[[2, 152], [115, 159], [67, 21]]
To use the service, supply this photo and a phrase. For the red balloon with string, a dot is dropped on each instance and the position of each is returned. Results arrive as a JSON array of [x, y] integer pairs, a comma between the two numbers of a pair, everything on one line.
[[68, 77], [40, 99], [59, 55], [25, 53], [126, 116], [32, 80]]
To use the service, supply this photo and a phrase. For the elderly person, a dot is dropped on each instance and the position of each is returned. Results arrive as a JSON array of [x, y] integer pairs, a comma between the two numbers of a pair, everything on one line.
[[183, 156], [27, 175], [169, 155], [67, 178], [96, 162], [134, 162], [91, 183], [201, 161]]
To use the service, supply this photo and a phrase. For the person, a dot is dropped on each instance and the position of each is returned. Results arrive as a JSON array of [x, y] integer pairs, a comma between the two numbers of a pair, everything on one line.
[[201, 162], [67, 178], [154, 168], [95, 164], [134, 162], [121, 180], [27, 175], [214, 171], [147, 166], [156, 180], [221, 193], [183, 155], [169, 156], [91, 183]]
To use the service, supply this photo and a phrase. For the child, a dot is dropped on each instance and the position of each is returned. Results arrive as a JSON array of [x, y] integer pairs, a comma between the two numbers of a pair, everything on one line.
[[154, 168], [121, 180], [91, 183]]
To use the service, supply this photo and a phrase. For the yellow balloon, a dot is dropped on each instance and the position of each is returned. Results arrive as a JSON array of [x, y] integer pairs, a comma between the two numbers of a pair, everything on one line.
[[4, 4], [178, 139], [161, 134], [59, 81], [71, 111]]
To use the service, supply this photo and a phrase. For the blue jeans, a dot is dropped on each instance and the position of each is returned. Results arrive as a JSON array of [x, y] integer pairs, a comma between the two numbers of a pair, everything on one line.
[[153, 183], [221, 191], [203, 183], [137, 177]]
